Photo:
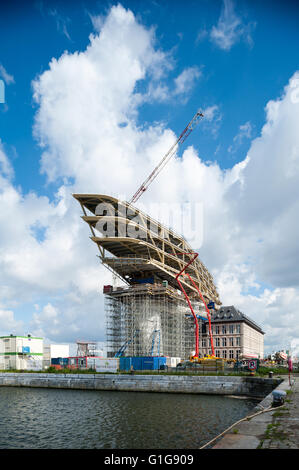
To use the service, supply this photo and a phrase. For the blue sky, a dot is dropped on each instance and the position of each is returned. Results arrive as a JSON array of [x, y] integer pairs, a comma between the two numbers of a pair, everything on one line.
[[232, 59], [241, 80]]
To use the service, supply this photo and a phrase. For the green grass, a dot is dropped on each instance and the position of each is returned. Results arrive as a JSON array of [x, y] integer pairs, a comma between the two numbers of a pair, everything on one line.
[[53, 370], [274, 433], [276, 370], [278, 414], [262, 372]]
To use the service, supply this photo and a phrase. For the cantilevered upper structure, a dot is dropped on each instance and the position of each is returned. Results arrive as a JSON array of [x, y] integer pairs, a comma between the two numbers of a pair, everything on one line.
[[136, 247], [149, 313]]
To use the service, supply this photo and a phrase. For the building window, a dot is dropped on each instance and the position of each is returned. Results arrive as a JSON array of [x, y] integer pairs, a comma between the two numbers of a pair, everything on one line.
[[224, 342], [217, 353], [231, 353], [217, 329], [231, 341], [217, 342], [223, 329], [238, 341], [238, 353], [238, 329], [224, 355], [203, 343], [231, 329]]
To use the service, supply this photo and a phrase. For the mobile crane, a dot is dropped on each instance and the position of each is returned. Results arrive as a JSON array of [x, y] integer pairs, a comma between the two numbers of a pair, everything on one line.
[[126, 344]]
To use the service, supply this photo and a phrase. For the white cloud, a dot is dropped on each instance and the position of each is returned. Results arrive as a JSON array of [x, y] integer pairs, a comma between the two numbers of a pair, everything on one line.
[[90, 94], [201, 35], [212, 119], [230, 28], [6, 168], [87, 124], [9, 79], [210, 112], [267, 204], [274, 310], [8, 323], [245, 132], [185, 81], [61, 22]]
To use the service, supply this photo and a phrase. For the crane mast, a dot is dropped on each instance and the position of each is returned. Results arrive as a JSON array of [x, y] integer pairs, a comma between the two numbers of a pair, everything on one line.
[[186, 132]]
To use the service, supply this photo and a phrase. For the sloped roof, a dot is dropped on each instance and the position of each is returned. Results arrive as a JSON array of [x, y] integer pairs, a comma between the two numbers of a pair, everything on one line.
[[232, 314]]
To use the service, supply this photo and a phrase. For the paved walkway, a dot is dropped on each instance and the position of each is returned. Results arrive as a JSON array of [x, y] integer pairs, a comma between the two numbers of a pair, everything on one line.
[[277, 429]]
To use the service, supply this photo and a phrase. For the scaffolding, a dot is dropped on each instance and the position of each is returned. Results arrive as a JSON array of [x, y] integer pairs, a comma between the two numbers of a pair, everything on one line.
[[136, 314]]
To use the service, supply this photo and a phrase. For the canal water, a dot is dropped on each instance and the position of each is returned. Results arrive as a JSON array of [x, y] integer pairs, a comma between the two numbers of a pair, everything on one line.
[[32, 418]]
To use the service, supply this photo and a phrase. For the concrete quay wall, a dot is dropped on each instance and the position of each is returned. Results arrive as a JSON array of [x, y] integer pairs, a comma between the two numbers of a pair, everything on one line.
[[217, 385]]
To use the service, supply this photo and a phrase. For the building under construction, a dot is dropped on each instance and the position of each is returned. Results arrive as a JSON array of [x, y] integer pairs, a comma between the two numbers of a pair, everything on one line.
[[165, 287]]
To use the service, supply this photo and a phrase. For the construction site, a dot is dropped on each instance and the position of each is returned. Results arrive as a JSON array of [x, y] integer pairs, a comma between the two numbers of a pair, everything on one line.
[[149, 315], [165, 292]]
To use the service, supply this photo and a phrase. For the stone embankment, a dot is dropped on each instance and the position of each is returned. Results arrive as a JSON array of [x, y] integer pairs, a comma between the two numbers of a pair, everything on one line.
[[221, 385]]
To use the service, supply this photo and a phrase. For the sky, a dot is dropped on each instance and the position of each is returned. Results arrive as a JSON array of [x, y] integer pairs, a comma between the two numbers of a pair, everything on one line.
[[96, 92]]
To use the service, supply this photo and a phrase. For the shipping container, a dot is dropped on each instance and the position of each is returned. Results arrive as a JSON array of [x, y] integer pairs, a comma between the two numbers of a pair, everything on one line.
[[62, 361], [125, 363], [141, 363]]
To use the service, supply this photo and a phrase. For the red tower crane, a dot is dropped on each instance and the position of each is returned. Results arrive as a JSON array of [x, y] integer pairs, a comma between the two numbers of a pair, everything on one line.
[[186, 132]]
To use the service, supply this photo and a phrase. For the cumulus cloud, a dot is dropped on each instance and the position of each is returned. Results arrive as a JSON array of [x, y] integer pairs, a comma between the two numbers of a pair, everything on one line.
[[268, 201], [58, 265], [88, 127], [275, 310], [8, 323]]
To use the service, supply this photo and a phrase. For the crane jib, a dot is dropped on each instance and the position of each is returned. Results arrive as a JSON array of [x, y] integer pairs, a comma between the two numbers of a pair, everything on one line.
[[186, 132]]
